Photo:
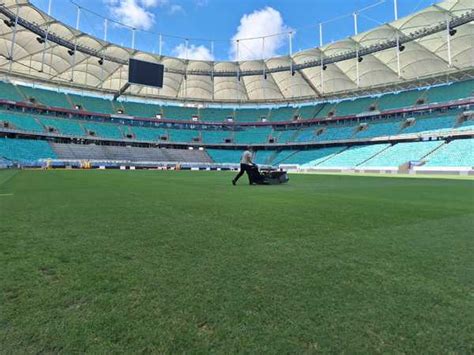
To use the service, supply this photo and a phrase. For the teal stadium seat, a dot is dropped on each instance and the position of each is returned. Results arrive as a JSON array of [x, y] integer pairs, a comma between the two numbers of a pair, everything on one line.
[[468, 124], [264, 157], [222, 156], [147, 133], [285, 136], [104, 130], [309, 112], [455, 91], [210, 114], [337, 132], [251, 114], [46, 97], [354, 107], [311, 156], [402, 153], [324, 110], [63, 126], [10, 92], [141, 109], [21, 121], [183, 135], [307, 134], [252, 136], [282, 155], [282, 114], [25, 150], [92, 104], [432, 124], [399, 100], [126, 131], [329, 133], [353, 156], [179, 113], [380, 129], [215, 136], [457, 153]]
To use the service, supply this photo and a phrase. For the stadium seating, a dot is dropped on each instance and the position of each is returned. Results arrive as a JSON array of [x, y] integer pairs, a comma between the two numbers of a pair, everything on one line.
[[380, 129], [103, 130], [312, 157], [455, 91], [338, 132], [432, 124], [210, 114], [10, 92], [285, 136], [457, 153], [63, 126], [282, 114], [353, 156], [306, 134], [179, 112], [250, 115], [92, 104], [264, 157], [282, 155], [252, 136], [46, 97], [136, 154], [127, 131], [21, 121], [309, 112], [140, 109], [328, 133], [148, 134], [223, 156], [183, 135], [25, 150], [402, 153], [354, 107], [215, 137], [467, 124], [399, 100], [323, 110], [378, 155]]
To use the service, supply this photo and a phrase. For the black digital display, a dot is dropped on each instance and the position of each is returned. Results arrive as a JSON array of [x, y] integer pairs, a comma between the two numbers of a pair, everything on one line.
[[145, 73]]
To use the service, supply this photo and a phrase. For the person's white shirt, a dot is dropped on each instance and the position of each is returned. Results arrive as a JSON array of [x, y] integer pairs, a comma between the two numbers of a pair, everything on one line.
[[246, 158]]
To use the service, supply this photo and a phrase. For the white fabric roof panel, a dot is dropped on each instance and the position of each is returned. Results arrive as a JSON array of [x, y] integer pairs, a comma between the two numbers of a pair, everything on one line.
[[421, 58]]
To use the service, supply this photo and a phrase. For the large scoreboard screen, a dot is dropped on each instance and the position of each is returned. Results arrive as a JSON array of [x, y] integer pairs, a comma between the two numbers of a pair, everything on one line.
[[145, 73]]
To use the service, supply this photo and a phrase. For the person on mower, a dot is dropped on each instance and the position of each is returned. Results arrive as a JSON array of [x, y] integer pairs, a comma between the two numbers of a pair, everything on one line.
[[246, 165]]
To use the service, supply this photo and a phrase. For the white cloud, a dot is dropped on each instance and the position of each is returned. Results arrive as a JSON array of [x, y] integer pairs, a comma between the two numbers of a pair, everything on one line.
[[264, 22], [135, 13], [175, 9], [153, 3], [193, 52], [202, 3]]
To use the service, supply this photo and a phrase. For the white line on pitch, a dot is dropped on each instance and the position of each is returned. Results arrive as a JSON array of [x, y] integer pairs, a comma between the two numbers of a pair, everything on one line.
[[6, 195]]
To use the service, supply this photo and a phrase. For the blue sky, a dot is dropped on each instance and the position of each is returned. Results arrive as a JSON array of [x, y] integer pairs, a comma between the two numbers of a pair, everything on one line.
[[222, 20]]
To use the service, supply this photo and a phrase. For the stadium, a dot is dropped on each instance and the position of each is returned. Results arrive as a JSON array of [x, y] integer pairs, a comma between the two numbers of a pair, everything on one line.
[[120, 230]]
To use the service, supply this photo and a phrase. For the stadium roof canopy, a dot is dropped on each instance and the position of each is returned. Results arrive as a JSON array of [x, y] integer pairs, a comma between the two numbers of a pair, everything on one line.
[[430, 45]]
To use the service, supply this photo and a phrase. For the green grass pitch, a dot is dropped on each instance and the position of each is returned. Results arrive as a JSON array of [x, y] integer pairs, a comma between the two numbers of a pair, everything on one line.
[[148, 261]]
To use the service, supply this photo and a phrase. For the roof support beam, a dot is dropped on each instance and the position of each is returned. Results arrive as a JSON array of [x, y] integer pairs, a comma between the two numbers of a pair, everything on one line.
[[309, 82]]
